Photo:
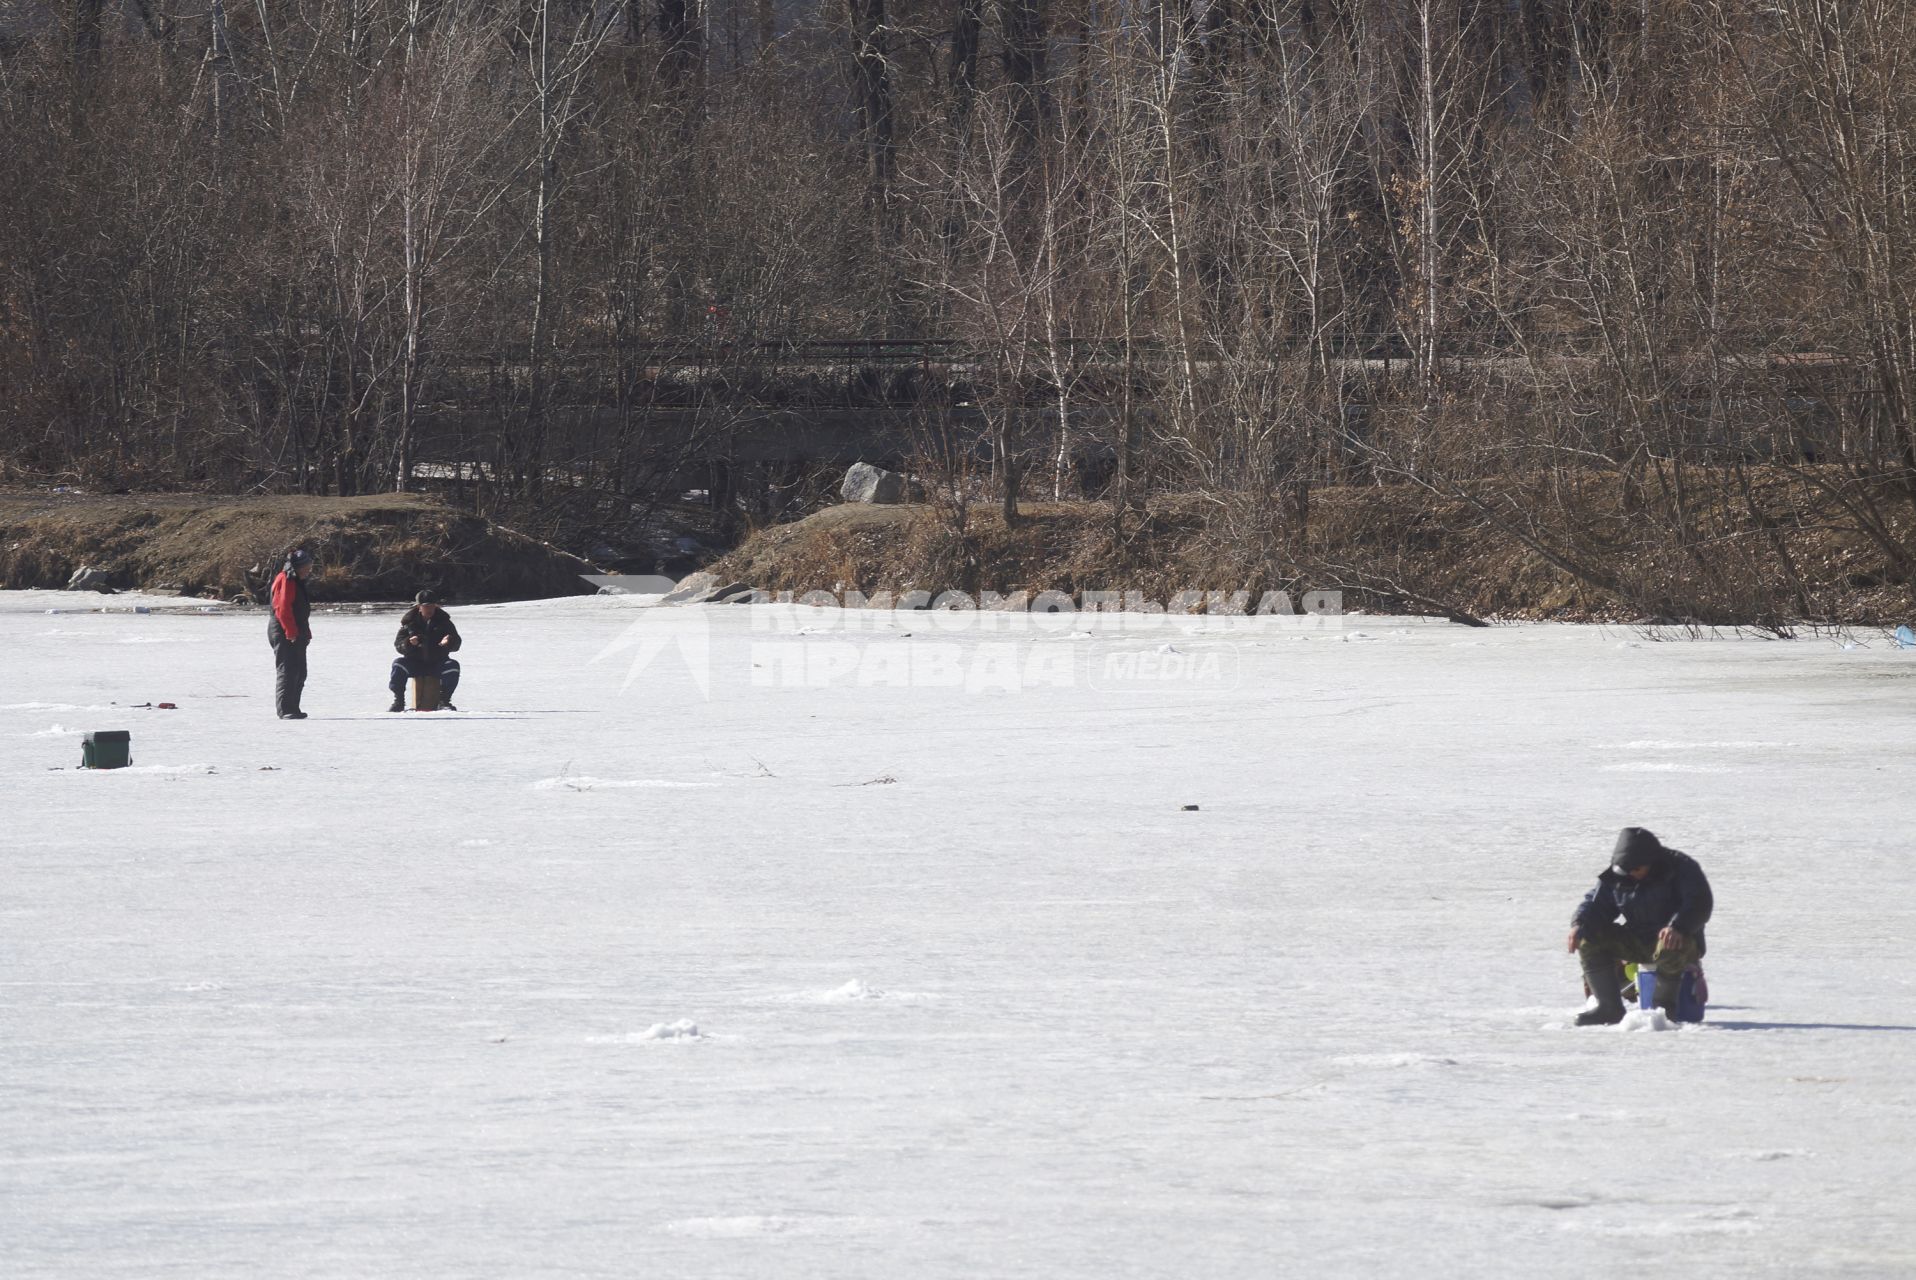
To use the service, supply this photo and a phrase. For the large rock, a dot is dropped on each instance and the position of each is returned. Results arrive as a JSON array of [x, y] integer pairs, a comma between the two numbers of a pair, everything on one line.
[[85, 579], [707, 588], [866, 483], [695, 588]]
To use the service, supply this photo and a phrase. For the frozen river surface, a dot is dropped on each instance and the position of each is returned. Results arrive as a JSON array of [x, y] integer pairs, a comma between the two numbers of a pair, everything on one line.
[[900, 955]]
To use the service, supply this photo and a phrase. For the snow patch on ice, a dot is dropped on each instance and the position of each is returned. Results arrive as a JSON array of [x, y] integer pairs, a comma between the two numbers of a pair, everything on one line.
[[854, 990], [168, 769], [54, 731], [577, 782], [479, 843], [1663, 766], [683, 1029], [1634, 1020]]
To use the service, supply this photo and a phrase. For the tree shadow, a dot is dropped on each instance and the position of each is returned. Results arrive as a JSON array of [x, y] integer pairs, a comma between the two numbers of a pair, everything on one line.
[[1807, 1026]]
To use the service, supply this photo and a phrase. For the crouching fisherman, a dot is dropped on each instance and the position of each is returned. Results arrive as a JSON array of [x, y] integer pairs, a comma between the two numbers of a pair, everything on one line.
[[425, 643], [1648, 909]]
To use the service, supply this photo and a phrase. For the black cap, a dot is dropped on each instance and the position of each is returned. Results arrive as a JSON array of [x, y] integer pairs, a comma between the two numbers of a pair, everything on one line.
[[428, 596], [1636, 847], [299, 556]]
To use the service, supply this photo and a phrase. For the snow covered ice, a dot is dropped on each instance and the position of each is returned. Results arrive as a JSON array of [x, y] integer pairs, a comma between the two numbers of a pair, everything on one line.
[[623, 971]]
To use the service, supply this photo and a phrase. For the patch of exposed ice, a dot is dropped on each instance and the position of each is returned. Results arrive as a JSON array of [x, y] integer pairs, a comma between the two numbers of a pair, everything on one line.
[[1730, 1220], [577, 782], [746, 1225], [1664, 744], [1394, 1060]]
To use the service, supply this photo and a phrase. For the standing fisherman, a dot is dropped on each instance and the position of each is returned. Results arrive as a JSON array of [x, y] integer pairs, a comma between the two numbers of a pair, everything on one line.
[[290, 633]]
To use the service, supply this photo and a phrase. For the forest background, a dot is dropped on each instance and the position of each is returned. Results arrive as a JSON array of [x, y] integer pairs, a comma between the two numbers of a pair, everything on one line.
[[1628, 285]]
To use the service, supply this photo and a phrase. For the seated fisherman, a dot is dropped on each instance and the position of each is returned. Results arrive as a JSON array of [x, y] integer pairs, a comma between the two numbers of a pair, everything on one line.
[[425, 643], [1649, 908]]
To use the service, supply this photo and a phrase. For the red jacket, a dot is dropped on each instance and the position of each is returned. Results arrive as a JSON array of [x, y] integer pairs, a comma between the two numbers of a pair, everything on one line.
[[291, 607]]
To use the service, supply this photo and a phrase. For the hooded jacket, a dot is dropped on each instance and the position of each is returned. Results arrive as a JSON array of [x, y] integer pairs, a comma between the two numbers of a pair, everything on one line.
[[1675, 894], [291, 609], [430, 633]]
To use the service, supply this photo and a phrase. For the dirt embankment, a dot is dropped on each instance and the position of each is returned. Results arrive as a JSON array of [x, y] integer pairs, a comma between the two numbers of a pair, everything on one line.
[[1385, 548], [374, 548]]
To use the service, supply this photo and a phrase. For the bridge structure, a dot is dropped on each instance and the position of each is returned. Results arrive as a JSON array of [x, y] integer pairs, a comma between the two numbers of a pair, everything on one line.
[[722, 417]]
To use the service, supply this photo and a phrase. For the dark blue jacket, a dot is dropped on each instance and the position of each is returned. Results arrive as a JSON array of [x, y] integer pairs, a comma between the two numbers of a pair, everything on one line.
[[431, 635], [1674, 895]]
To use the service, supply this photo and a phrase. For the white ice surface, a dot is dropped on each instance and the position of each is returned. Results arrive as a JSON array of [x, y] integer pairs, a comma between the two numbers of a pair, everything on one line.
[[598, 978]]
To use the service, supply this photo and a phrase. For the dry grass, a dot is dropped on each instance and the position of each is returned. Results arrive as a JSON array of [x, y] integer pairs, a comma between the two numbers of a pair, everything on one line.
[[1391, 547], [372, 548]]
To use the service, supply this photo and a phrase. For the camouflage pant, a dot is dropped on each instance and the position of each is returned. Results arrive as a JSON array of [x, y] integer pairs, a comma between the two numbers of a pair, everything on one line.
[[1614, 947]]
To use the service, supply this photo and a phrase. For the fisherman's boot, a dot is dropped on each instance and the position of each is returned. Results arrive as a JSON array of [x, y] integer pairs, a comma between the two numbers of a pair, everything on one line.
[[399, 702], [1604, 976]]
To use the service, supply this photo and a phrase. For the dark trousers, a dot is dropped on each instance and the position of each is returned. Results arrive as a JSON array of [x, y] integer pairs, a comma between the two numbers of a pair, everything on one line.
[[1611, 946], [289, 674], [445, 666]]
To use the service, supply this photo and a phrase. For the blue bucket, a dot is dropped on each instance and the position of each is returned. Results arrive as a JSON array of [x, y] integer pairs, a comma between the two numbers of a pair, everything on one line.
[[1690, 996]]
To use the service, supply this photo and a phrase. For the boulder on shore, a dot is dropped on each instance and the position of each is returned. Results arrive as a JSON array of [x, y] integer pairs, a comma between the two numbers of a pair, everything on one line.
[[90, 579], [694, 588], [866, 483]]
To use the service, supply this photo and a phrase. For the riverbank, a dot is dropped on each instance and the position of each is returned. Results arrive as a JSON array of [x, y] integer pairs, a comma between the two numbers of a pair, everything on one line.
[[381, 547]]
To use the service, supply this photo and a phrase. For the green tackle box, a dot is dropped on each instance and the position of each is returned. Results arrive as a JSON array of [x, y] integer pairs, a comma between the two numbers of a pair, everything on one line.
[[106, 749]]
